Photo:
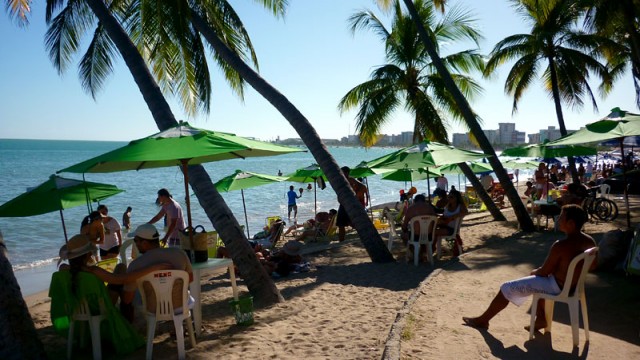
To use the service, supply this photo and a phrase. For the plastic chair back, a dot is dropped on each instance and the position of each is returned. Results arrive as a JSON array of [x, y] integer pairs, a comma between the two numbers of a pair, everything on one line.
[[425, 237], [605, 189], [576, 301], [83, 313], [165, 297]]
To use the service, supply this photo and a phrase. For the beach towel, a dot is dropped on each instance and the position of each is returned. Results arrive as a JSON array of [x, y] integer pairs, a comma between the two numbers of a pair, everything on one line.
[[114, 328]]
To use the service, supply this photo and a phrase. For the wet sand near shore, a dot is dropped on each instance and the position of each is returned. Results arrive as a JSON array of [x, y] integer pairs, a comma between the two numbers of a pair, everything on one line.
[[348, 308]]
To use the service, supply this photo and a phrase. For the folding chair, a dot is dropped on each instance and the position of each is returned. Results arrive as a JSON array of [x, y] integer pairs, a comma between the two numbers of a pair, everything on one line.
[[160, 286], [330, 233], [425, 237], [576, 301]]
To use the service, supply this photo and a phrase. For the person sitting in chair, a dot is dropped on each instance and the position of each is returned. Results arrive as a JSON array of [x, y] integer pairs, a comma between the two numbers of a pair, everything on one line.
[[548, 278], [317, 227], [419, 207]]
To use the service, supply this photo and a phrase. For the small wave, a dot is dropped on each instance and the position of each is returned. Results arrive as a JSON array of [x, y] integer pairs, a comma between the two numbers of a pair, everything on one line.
[[35, 264]]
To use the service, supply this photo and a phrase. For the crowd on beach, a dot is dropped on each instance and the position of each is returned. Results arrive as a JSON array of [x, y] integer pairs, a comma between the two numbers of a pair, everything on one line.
[[99, 231]]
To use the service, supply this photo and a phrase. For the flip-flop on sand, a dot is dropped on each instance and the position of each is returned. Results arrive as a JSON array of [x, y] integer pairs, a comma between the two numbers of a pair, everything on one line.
[[472, 322]]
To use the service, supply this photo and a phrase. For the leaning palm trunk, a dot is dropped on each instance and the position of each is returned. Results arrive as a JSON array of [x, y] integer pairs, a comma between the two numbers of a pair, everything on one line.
[[259, 283], [518, 206], [18, 337], [369, 236]]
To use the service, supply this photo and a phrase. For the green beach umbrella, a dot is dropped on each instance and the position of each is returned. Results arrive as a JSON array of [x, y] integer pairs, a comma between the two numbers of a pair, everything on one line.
[[517, 164], [476, 167], [57, 194], [241, 180], [618, 125], [425, 155], [181, 146], [409, 175], [547, 150]]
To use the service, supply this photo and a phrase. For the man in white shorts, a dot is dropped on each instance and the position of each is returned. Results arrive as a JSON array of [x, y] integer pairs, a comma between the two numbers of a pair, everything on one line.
[[547, 279]]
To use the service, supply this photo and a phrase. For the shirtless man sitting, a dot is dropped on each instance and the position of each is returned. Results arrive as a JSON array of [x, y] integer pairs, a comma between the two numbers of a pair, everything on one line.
[[550, 277]]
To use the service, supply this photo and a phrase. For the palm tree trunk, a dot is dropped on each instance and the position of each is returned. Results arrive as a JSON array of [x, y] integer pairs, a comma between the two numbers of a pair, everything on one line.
[[18, 337], [470, 118], [558, 105], [259, 283], [368, 234]]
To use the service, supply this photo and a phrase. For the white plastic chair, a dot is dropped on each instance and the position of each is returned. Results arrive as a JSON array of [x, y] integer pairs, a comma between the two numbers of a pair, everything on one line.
[[162, 284], [572, 300], [425, 223], [456, 229], [605, 189], [83, 313], [392, 228]]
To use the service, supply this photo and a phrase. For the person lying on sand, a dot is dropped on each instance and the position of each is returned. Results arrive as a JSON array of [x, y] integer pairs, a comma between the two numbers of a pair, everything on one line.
[[550, 277]]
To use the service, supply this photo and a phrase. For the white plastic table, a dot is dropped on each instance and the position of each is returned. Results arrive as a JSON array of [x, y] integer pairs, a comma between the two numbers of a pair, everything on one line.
[[195, 286]]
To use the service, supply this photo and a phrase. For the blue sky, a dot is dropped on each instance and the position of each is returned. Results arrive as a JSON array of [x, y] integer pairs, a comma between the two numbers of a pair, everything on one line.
[[310, 56]]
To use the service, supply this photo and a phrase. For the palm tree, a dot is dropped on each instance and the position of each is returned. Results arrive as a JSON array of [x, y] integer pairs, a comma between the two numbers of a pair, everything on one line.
[[19, 339], [410, 78], [470, 119], [617, 20], [75, 19], [205, 17], [566, 52]]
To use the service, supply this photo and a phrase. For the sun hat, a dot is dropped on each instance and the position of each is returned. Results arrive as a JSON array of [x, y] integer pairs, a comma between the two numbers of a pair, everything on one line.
[[292, 248], [146, 231], [77, 246]]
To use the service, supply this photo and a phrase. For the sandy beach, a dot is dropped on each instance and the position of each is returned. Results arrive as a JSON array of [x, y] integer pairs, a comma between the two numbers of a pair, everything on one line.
[[349, 308]]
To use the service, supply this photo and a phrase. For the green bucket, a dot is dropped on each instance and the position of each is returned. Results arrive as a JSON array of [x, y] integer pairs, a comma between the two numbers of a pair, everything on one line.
[[243, 310]]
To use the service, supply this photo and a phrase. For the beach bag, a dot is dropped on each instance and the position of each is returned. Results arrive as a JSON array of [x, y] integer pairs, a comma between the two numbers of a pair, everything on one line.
[[199, 247]]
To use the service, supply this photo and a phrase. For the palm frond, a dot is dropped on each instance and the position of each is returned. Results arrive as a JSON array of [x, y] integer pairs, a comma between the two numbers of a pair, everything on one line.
[[96, 64]]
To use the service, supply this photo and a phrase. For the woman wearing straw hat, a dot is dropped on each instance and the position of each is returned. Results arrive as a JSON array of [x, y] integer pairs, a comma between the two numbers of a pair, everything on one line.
[[80, 280]]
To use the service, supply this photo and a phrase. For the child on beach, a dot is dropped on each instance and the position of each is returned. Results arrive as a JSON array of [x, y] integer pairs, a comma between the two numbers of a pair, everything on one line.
[[550, 277]]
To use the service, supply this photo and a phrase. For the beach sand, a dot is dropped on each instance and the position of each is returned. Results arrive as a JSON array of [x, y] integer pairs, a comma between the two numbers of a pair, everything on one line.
[[349, 308]]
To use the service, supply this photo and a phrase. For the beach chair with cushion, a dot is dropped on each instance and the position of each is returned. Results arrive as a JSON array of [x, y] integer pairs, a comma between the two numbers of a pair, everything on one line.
[[576, 300], [427, 224], [165, 297]]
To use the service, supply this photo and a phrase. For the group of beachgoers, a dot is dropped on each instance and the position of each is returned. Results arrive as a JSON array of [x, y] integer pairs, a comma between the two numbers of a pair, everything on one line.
[[81, 276]]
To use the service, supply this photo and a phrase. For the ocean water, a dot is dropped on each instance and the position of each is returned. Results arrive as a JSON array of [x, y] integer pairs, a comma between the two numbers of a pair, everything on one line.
[[33, 242]]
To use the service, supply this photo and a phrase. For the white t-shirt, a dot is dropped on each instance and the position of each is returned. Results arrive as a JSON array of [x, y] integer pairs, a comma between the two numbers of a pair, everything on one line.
[[442, 183], [174, 211], [111, 227]]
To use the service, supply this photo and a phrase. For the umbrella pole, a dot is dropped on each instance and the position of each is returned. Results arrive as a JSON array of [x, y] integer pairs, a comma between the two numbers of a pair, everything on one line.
[[64, 228], [246, 220], [185, 172], [428, 185], [624, 181], [459, 183]]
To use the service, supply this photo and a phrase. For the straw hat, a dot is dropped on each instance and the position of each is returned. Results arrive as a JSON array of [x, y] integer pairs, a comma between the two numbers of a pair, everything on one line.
[[77, 246], [292, 248]]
